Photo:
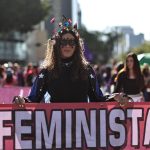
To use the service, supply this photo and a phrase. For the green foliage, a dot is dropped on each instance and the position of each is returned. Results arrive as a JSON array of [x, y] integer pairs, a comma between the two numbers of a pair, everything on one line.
[[144, 48], [100, 44], [21, 15], [122, 56]]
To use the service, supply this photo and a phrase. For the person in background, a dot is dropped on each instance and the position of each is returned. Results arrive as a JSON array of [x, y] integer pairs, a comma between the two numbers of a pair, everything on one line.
[[19, 74], [130, 79], [146, 74], [35, 72], [2, 76], [107, 79], [119, 66], [97, 70], [29, 75]]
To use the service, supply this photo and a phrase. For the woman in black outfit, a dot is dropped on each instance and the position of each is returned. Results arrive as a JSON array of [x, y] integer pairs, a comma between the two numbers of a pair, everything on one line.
[[66, 75], [130, 80]]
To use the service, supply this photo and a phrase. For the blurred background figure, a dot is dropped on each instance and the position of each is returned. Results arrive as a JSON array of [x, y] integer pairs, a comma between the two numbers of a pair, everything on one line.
[[117, 68], [130, 80], [107, 80], [146, 74], [97, 69], [21, 80], [29, 75], [11, 79], [35, 72], [19, 74], [2, 75]]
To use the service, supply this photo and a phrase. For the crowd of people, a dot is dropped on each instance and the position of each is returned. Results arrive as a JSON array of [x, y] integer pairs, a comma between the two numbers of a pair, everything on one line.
[[107, 76], [67, 76], [13, 74], [128, 77]]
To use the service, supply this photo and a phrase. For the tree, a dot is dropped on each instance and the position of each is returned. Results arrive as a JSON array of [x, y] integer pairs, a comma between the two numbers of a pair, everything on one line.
[[94, 43], [144, 48], [21, 15], [16, 18], [101, 44], [111, 38]]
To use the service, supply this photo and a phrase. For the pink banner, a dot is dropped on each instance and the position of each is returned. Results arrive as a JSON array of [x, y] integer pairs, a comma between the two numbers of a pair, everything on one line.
[[7, 93], [75, 126]]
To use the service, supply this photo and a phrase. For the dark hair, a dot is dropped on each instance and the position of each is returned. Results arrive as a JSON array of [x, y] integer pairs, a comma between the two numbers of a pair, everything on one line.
[[68, 31], [136, 65], [9, 77], [1, 71], [136, 70], [53, 58], [145, 71], [120, 66]]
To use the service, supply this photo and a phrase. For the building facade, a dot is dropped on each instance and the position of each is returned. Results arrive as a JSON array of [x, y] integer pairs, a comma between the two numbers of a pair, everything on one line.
[[13, 48], [128, 40]]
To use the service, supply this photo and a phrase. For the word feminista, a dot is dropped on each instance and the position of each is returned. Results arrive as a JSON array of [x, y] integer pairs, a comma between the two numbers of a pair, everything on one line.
[[78, 128]]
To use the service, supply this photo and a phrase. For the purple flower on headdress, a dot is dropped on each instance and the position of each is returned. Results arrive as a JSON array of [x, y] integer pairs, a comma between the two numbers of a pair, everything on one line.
[[52, 20]]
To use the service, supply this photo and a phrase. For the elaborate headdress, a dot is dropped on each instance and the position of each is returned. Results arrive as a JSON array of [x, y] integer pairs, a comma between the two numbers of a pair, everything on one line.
[[64, 26]]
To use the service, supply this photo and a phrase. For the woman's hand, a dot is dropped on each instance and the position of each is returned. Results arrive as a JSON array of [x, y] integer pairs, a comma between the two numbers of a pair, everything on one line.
[[122, 99], [20, 101], [117, 96], [142, 99]]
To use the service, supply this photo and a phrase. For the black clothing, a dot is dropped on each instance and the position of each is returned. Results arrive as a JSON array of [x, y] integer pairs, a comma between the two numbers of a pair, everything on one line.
[[64, 89], [128, 86]]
